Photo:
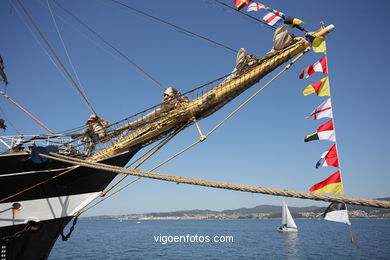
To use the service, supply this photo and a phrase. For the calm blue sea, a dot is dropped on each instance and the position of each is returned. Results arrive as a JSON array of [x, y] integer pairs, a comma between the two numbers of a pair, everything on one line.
[[252, 239]]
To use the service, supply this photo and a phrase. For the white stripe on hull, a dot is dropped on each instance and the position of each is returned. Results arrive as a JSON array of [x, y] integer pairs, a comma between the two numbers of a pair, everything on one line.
[[44, 209], [31, 172]]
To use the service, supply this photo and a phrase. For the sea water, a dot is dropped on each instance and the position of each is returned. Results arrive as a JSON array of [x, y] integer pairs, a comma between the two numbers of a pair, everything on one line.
[[237, 239]]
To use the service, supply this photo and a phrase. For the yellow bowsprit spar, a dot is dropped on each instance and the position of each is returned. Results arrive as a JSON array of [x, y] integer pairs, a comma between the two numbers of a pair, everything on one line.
[[170, 118]]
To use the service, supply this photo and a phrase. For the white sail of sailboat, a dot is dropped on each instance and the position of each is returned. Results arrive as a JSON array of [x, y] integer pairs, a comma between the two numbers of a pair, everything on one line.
[[288, 223]]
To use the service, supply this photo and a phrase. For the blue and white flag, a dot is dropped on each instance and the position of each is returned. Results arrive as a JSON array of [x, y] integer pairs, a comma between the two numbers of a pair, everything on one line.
[[273, 19]]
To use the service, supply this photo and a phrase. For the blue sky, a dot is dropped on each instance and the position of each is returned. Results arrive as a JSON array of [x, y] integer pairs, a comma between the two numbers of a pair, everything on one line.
[[261, 145]]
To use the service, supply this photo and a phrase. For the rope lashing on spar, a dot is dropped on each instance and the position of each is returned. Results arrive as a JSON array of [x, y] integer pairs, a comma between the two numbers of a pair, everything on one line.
[[221, 185]]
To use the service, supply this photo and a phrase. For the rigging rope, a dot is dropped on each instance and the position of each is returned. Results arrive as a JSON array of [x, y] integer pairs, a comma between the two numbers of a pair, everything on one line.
[[246, 15], [312, 28], [137, 179], [235, 111], [25, 111], [79, 128], [9, 121], [110, 45], [67, 236], [64, 46], [221, 185], [40, 183], [156, 148], [57, 58], [39, 43], [175, 26], [202, 138]]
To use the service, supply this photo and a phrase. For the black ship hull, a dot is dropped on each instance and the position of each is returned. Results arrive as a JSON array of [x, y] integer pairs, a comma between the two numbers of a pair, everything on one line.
[[44, 210]]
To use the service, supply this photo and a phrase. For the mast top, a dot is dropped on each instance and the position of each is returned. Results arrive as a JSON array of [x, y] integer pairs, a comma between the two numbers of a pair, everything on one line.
[[323, 31]]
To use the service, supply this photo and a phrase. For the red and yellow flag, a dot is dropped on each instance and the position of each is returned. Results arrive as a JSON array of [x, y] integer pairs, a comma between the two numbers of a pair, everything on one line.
[[332, 184], [241, 3], [321, 88]]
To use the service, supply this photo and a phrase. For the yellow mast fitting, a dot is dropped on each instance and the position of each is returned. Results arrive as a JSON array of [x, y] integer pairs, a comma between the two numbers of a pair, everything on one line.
[[323, 31], [202, 137]]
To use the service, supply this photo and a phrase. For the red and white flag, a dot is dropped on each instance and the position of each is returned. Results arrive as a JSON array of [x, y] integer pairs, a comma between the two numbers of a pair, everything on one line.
[[319, 66], [322, 111], [329, 158], [256, 7], [324, 132], [278, 13]]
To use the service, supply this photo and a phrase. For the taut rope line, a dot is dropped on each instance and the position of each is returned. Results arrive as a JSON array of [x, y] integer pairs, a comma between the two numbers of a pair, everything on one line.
[[25, 111], [57, 58], [175, 26], [221, 185], [158, 147], [138, 68]]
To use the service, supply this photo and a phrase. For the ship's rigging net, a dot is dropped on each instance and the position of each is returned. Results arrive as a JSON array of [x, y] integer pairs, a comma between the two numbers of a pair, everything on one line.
[[159, 121]]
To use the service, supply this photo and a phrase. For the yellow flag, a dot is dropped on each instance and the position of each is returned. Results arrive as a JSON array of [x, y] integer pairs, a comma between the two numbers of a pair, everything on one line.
[[297, 21], [319, 44]]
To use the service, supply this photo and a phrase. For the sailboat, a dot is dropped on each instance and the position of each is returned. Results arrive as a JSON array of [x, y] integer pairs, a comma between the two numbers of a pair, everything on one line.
[[288, 223], [39, 196]]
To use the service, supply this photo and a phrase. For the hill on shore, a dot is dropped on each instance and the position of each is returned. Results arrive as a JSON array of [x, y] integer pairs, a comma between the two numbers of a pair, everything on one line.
[[257, 212]]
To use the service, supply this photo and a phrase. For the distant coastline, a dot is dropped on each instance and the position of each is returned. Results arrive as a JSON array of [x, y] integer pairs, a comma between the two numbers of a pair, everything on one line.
[[258, 212]]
